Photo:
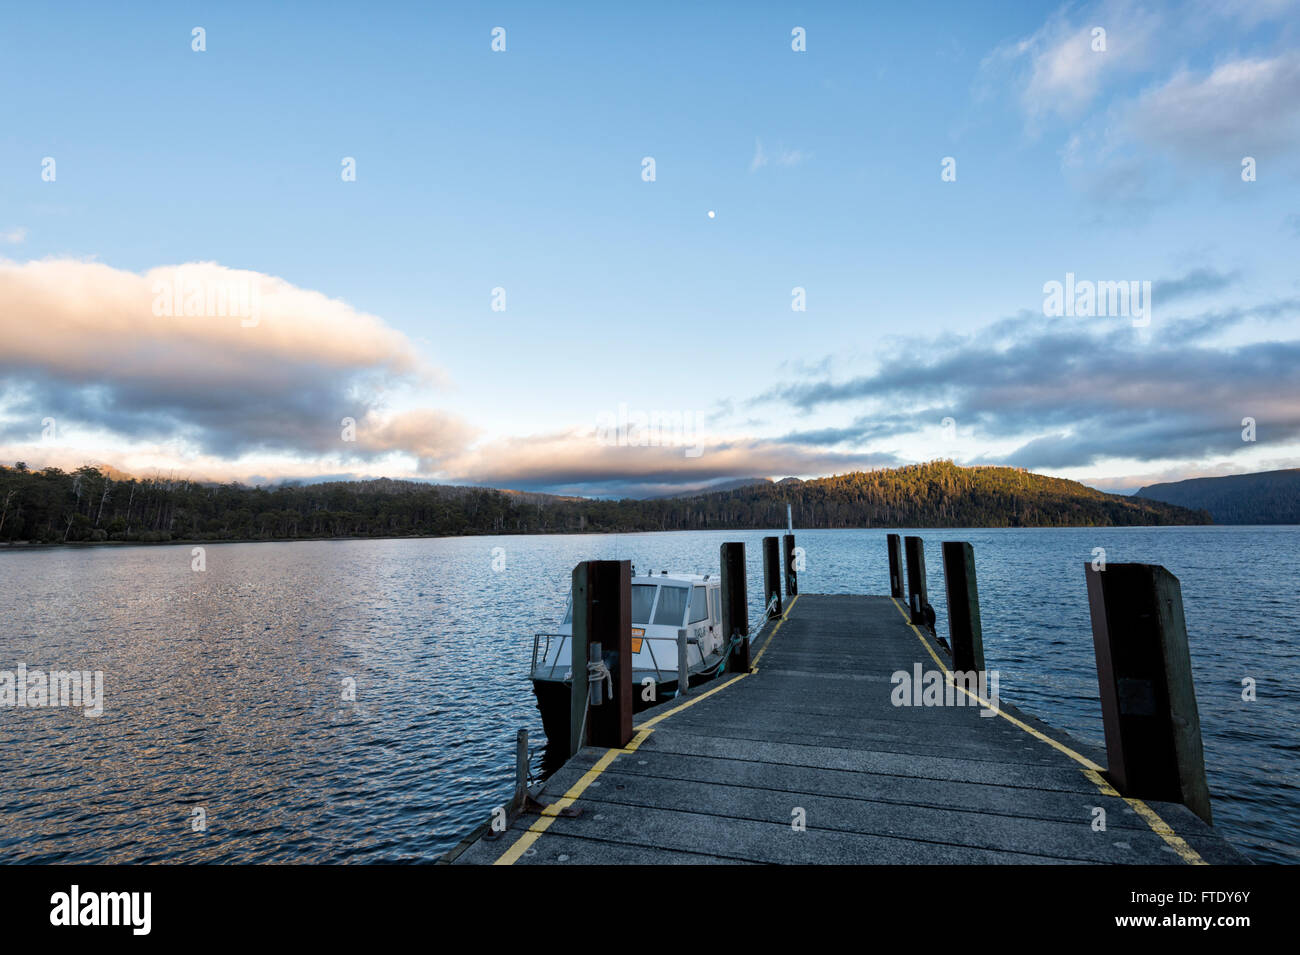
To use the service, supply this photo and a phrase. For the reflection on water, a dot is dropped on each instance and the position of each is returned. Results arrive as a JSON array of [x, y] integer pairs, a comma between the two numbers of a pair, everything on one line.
[[228, 690]]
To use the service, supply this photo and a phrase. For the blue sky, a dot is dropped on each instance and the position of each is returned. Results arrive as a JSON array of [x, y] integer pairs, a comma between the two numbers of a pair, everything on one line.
[[522, 170]]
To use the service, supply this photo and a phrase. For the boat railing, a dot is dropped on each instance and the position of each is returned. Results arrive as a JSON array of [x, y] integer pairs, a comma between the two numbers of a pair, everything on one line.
[[542, 648], [542, 652], [542, 641]]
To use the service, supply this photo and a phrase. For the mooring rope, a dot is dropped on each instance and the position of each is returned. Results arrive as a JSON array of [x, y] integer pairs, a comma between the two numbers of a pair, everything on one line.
[[598, 672], [736, 638]]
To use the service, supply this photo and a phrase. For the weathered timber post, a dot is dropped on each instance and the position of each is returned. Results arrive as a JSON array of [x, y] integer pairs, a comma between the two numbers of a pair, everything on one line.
[[1144, 674], [791, 572], [895, 543], [602, 616], [521, 769], [735, 606], [917, 595], [964, 630], [771, 573]]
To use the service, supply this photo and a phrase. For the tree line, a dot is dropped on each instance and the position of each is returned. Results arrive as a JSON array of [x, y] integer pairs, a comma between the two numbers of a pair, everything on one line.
[[51, 506], [1265, 497]]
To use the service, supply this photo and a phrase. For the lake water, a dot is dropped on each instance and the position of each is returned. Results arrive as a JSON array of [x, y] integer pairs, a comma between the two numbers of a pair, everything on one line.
[[226, 737]]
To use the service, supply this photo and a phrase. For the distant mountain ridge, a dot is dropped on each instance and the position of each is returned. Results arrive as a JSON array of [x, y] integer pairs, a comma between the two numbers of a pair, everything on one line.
[[720, 486], [1264, 497]]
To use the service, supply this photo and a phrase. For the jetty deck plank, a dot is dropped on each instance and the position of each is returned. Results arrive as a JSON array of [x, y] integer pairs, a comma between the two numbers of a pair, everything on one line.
[[721, 778]]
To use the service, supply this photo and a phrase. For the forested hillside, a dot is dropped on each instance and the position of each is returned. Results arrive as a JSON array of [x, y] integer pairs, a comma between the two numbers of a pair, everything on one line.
[[52, 506], [1266, 497]]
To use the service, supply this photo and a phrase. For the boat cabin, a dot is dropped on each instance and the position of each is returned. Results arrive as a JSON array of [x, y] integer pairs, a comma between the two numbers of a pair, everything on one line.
[[662, 604]]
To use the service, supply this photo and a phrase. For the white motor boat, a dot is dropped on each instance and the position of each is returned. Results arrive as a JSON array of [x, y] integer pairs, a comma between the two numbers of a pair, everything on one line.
[[663, 604]]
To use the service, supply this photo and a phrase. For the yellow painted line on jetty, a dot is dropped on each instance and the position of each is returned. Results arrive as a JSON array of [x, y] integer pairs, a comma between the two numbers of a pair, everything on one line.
[[551, 811], [768, 642], [1090, 769]]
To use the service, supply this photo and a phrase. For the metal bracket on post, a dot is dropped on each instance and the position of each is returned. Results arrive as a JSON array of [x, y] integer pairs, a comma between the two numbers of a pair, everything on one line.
[[683, 663]]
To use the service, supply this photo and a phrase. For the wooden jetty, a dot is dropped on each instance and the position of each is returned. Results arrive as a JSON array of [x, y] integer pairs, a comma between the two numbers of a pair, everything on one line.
[[852, 737]]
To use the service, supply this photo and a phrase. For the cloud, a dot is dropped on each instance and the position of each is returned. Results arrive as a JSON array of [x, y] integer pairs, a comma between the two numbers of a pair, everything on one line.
[[1065, 73], [1120, 138], [1071, 393], [432, 436], [219, 391], [14, 236], [1129, 483], [237, 362], [863, 429], [784, 157], [1244, 107], [1196, 282], [1249, 13], [578, 462], [1056, 69]]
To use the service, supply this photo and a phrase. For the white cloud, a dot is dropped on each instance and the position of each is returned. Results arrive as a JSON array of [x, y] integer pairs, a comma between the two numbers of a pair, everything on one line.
[[1057, 71], [104, 352], [580, 462], [783, 157], [1243, 107], [14, 236]]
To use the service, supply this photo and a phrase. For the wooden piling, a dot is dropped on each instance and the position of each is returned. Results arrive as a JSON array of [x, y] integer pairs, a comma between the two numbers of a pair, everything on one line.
[[771, 572], [895, 544], [1144, 675], [735, 606], [791, 572], [602, 614], [965, 632], [521, 769], [917, 595]]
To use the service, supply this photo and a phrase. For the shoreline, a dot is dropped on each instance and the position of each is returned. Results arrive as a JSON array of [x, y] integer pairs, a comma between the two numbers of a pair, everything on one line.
[[197, 541]]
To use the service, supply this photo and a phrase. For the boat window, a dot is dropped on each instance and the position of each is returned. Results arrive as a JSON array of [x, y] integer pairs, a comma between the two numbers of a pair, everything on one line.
[[643, 598], [713, 602], [699, 605], [672, 606]]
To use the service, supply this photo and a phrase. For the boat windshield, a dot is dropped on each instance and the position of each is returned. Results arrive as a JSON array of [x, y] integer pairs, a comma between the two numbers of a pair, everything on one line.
[[699, 605], [643, 598], [672, 606]]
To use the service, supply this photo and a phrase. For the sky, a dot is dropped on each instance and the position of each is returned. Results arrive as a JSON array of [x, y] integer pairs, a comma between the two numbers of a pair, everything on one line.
[[643, 249]]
